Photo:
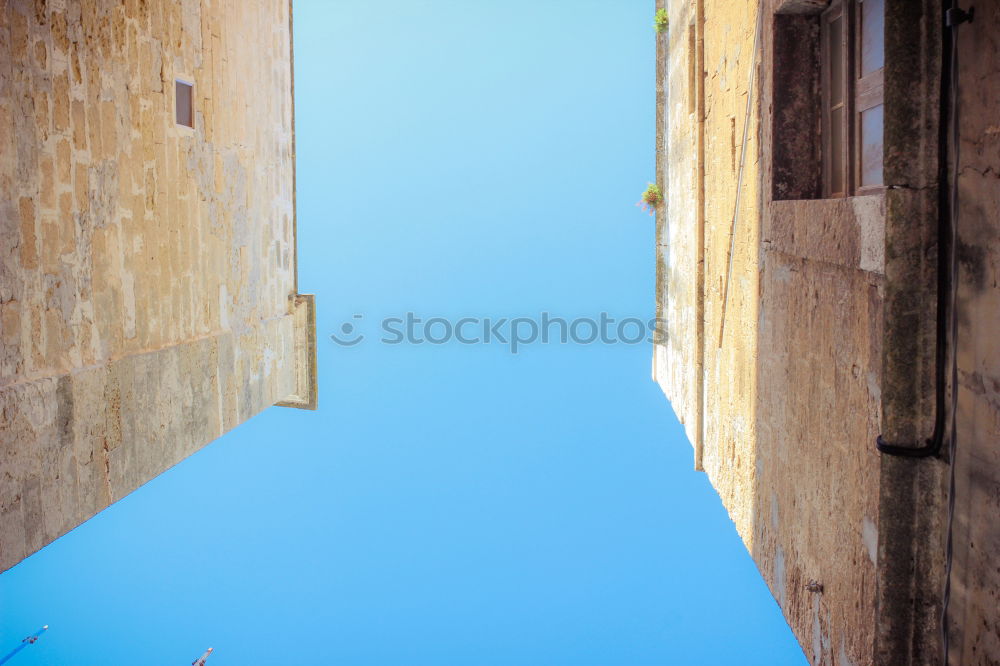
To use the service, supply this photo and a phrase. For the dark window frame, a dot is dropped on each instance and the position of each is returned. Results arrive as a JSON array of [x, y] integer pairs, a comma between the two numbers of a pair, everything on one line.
[[835, 48]]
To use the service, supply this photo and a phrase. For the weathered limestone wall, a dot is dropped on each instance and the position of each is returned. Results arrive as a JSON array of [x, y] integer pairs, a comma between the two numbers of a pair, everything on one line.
[[819, 372], [974, 612], [676, 361], [791, 401], [147, 281], [730, 333], [912, 493], [75, 443], [704, 140], [816, 489]]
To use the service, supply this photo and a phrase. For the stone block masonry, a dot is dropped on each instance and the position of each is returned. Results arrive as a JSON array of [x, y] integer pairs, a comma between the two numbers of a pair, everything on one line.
[[148, 296]]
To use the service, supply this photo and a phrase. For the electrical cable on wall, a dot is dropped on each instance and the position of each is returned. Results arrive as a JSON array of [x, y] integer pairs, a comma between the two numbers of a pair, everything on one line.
[[739, 178]]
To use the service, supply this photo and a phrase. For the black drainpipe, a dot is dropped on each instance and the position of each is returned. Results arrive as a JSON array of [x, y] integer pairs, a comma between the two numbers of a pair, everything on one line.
[[947, 199]]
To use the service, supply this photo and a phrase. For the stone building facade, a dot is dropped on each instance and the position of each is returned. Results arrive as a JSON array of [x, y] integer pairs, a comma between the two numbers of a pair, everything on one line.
[[148, 292], [827, 264]]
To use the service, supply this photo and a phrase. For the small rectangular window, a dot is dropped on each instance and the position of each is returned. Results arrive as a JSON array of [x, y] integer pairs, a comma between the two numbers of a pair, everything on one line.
[[183, 103]]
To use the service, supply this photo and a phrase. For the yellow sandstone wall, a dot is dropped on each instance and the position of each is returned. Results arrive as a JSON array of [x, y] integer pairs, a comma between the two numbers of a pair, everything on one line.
[[678, 286], [730, 369], [147, 282], [704, 136]]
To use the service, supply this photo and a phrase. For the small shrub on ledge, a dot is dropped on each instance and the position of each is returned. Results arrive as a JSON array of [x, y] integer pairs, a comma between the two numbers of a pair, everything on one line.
[[651, 198], [661, 21]]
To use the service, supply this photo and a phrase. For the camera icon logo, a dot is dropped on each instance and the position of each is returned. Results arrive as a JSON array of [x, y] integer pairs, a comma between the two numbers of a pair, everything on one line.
[[349, 332]]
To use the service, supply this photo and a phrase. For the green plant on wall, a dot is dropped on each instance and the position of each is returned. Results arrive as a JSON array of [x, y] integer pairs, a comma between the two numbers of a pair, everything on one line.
[[651, 198], [660, 20]]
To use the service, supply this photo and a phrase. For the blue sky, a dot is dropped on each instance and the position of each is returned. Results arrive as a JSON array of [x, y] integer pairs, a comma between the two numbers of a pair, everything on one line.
[[447, 504]]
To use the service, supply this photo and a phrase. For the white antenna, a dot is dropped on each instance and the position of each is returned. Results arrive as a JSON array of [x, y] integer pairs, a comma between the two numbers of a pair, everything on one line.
[[200, 661], [25, 642]]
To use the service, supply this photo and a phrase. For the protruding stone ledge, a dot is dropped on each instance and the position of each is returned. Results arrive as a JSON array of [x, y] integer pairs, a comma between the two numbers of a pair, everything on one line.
[[305, 395]]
